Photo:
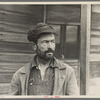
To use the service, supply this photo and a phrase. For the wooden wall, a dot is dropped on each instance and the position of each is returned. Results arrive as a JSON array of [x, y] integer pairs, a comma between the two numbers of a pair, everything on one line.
[[63, 14], [15, 50], [95, 42]]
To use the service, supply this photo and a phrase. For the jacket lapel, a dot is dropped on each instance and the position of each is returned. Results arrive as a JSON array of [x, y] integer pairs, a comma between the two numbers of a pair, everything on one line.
[[59, 81], [25, 72]]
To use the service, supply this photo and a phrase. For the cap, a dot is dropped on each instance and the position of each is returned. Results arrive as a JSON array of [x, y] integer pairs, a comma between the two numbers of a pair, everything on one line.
[[39, 28]]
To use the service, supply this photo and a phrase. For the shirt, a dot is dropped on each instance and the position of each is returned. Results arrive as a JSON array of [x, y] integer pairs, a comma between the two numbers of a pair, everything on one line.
[[36, 85]]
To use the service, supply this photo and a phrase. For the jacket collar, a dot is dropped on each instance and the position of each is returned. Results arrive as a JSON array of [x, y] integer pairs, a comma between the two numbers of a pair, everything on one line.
[[28, 66]]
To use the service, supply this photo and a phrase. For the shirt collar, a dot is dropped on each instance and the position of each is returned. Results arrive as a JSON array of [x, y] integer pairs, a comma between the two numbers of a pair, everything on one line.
[[35, 62], [54, 63]]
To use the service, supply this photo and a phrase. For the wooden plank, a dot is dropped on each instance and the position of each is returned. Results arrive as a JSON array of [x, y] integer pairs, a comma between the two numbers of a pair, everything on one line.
[[95, 41], [84, 48], [95, 16], [15, 57], [26, 9], [11, 27], [94, 69], [23, 26], [4, 88], [71, 62], [95, 25], [63, 14], [94, 57], [95, 20], [11, 47], [6, 77], [95, 8], [95, 49], [10, 67], [10, 37], [95, 33], [20, 18]]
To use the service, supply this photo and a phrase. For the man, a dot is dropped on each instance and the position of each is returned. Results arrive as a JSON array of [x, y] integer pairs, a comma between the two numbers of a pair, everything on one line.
[[45, 75]]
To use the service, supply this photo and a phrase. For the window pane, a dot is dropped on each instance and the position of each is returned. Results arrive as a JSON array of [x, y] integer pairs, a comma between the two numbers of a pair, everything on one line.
[[71, 45]]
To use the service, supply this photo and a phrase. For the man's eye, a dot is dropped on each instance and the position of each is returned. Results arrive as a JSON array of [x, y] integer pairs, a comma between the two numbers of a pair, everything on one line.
[[53, 41], [45, 42]]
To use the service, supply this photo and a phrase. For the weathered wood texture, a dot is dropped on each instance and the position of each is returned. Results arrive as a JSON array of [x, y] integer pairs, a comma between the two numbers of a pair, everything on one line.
[[85, 48], [15, 50], [94, 87], [62, 14], [95, 41]]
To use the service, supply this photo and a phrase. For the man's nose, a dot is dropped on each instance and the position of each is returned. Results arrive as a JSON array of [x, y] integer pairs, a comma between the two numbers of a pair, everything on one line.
[[49, 45]]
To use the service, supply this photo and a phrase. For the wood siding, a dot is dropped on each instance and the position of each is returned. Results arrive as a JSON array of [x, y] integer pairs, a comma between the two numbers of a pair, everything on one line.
[[63, 14], [15, 50], [95, 42]]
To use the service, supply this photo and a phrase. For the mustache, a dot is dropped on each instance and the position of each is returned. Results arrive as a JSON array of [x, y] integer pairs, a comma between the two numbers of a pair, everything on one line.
[[49, 50]]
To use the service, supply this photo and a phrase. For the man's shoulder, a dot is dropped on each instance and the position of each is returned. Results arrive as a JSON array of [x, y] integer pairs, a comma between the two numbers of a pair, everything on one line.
[[23, 68], [63, 65]]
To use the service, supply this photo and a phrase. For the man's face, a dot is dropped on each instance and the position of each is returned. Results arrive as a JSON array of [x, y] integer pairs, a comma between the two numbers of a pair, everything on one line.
[[46, 46]]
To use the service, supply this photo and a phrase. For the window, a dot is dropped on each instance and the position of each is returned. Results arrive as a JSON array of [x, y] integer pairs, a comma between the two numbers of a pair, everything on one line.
[[67, 41]]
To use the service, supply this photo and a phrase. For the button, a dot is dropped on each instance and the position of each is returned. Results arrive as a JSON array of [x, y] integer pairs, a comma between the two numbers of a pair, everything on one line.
[[37, 68], [39, 76], [31, 83]]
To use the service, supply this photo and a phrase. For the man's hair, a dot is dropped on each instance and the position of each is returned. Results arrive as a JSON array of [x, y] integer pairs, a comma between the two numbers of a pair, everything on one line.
[[39, 30]]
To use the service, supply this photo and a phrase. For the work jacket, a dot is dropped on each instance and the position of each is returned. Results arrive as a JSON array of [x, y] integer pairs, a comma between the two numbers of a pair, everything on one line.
[[64, 84]]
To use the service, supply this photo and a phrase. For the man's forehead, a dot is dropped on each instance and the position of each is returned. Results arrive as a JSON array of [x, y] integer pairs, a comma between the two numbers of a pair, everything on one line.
[[47, 37]]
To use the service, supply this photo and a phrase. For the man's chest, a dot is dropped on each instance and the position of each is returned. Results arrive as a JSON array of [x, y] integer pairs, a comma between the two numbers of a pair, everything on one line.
[[41, 82]]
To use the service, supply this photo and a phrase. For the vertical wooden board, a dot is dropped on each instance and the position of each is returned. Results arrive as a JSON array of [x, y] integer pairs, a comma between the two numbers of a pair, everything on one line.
[[85, 48], [63, 14]]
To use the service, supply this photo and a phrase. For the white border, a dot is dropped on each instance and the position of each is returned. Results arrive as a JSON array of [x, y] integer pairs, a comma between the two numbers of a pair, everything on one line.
[[48, 3], [77, 2]]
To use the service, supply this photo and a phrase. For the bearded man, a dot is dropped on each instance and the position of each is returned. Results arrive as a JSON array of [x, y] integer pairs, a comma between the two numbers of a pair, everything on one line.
[[44, 75]]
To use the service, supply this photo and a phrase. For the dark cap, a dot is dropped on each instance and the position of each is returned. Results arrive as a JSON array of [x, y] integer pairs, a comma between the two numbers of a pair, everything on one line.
[[39, 28]]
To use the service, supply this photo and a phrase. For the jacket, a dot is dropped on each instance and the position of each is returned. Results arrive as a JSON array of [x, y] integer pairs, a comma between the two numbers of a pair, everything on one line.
[[64, 84]]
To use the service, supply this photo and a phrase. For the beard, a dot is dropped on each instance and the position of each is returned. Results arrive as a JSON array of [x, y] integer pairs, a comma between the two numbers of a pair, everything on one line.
[[47, 55]]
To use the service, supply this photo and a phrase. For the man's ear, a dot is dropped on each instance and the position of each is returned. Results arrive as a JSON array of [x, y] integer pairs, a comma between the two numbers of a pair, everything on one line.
[[34, 46]]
